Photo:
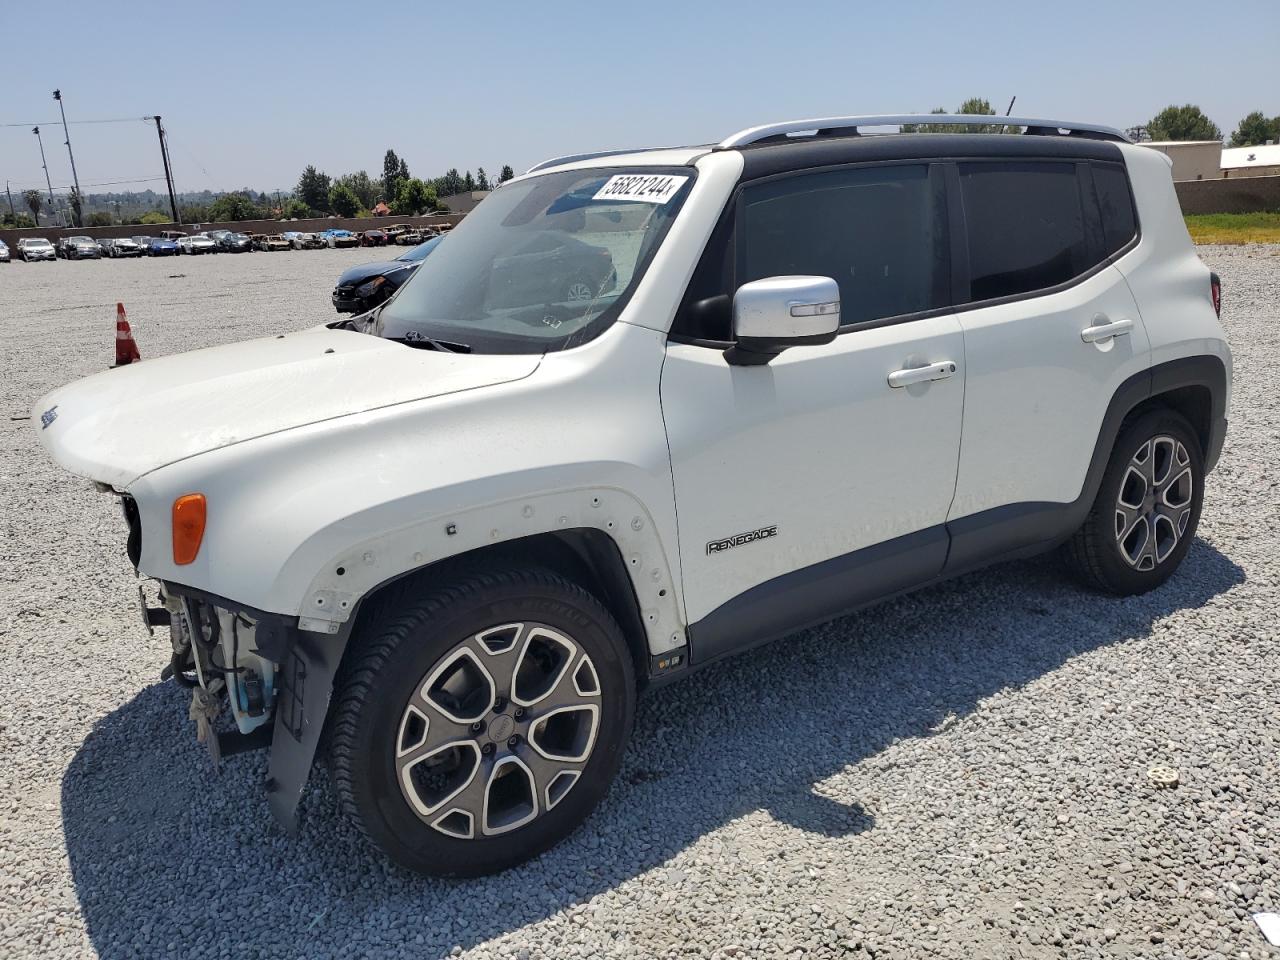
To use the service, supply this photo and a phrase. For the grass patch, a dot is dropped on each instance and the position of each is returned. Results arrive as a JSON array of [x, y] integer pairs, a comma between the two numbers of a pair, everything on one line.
[[1234, 227]]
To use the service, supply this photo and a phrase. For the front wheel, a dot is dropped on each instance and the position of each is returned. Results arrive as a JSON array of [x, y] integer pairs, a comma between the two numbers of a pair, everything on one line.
[[1148, 506], [480, 723]]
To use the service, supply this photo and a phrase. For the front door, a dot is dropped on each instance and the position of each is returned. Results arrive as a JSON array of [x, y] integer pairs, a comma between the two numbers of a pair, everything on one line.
[[810, 484]]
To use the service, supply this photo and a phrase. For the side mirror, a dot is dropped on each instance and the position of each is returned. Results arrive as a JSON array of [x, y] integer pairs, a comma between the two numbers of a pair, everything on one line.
[[778, 312]]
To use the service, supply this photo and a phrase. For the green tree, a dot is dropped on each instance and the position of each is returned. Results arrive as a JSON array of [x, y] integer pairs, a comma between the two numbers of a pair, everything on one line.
[[1186, 122], [152, 217], [294, 209], [343, 200], [975, 106], [313, 189], [1255, 130], [234, 206], [451, 183], [506, 174], [34, 201], [18, 221], [390, 174], [99, 219], [414, 197], [482, 180], [195, 213], [362, 185]]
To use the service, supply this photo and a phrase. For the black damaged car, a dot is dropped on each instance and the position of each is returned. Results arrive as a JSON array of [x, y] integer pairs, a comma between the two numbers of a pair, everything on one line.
[[364, 287]]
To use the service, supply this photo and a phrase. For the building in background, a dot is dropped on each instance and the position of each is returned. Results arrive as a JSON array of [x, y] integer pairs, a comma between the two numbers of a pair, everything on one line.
[[1261, 161], [1192, 159], [464, 202]]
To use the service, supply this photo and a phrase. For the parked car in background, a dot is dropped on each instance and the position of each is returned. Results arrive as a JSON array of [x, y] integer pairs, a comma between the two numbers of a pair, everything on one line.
[[81, 248], [410, 238], [334, 237], [291, 235], [373, 238], [364, 287], [4, 252], [268, 242], [307, 241], [62, 246], [123, 247], [31, 249], [160, 247], [230, 242], [174, 235], [104, 247], [197, 243], [217, 235]]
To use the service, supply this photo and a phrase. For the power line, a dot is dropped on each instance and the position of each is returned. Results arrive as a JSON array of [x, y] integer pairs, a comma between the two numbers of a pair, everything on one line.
[[36, 123], [100, 183]]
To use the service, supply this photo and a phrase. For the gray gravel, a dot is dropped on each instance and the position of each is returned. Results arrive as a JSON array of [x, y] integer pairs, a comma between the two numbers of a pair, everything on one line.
[[960, 773]]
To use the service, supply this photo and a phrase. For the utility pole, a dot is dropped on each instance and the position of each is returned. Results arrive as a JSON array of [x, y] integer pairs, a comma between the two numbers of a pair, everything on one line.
[[13, 216], [168, 171], [57, 95], [48, 183]]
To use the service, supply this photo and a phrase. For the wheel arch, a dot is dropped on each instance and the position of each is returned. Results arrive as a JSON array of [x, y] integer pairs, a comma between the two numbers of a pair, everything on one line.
[[587, 556]]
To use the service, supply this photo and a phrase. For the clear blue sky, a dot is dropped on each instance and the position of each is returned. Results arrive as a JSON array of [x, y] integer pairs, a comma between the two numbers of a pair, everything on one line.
[[252, 92]]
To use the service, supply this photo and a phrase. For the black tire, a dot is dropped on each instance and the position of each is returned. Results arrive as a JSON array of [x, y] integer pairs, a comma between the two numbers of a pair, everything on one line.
[[1096, 553], [404, 639]]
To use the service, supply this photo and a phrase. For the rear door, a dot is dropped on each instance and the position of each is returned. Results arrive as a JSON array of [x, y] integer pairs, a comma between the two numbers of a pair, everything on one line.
[[1041, 293]]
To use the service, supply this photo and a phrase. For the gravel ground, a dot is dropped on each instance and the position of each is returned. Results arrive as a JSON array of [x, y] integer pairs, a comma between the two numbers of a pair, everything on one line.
[[960, 773]]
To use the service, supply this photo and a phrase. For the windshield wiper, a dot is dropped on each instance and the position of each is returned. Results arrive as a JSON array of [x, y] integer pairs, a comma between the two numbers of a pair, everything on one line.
[[427, 343]]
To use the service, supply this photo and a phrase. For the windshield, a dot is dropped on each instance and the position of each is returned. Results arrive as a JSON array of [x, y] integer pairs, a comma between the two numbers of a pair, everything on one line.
[[420, 252], [541, 264]]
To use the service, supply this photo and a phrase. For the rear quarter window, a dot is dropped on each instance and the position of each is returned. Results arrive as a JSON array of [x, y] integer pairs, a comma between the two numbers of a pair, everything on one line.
[[1115, 206]]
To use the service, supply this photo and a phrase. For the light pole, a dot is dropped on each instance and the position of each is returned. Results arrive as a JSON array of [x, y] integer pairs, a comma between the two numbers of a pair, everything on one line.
[[57, 95], [45, 165]]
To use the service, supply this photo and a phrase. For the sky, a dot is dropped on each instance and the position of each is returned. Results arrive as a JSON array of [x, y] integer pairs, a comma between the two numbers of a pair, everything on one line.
[[252, 92]]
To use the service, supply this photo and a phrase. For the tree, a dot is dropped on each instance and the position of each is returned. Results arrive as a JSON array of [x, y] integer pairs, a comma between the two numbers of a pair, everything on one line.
[[506, 174], [1255, 130], [294, 209], [74, 199], [34, 201], [974, 105], [414, 197], [313, 189], [343, 200], [451, 183], [234, 206], [1186, 122], [468, 183], [364, 187], [99, 219], [390, 174], [482, 180], [152, 217], [195, 213], [18, 221]]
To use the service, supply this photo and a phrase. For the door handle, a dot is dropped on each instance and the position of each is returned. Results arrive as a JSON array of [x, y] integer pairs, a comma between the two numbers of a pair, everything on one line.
[[933, 371], [1105, 331]]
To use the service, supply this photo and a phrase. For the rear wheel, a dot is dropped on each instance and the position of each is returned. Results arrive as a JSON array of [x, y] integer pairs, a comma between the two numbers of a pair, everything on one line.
[[480, 724], [1147, 509]]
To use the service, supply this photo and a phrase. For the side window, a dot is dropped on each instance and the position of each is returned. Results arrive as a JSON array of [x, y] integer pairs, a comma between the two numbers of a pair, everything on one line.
[[1025, 226], [877, 231], [1115, 206]]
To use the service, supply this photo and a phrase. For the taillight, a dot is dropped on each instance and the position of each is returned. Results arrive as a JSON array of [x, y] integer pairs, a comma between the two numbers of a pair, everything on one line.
[[1215, 293], [188, 527]]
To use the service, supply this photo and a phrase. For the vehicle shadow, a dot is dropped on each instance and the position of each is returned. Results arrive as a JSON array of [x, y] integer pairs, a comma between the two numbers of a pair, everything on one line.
[[166, 856]]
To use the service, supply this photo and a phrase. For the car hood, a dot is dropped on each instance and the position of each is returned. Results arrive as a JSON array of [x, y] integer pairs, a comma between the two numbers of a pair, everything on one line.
[[367, 271], [115, 426]]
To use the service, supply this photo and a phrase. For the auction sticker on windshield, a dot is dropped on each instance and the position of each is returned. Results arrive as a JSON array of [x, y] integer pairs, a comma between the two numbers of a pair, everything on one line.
[[642, 188]]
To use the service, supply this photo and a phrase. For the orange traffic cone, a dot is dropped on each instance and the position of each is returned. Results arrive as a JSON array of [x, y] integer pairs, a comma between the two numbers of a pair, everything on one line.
[[126, 347]]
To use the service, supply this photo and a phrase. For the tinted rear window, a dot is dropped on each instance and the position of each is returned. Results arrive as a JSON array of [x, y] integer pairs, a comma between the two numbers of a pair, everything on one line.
[[1115, 205], [1026, 228]]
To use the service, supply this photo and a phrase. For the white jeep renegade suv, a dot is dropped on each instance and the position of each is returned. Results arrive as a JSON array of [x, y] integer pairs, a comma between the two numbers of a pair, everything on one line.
[[641, 411]]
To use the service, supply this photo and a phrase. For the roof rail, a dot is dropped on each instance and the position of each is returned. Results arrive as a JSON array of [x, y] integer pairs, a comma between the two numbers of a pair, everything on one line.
[[849, 126]]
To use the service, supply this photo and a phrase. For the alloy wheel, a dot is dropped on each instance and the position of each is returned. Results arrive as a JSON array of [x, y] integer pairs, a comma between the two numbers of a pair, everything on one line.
[[1153, 506], [499, 730]]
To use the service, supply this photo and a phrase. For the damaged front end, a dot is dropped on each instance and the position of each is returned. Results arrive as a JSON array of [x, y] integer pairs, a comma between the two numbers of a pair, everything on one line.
[[274, 680]]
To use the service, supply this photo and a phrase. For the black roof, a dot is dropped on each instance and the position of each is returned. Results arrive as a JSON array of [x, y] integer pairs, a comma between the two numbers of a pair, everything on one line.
[[765, 159]]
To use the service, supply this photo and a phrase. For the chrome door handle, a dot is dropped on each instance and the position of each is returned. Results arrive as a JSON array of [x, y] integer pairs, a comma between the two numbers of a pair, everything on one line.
[[933, 371], [1105, 331]]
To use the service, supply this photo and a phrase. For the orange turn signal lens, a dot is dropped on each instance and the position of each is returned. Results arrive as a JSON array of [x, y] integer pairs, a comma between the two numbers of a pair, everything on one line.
[[188, 527]]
